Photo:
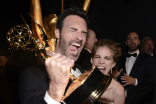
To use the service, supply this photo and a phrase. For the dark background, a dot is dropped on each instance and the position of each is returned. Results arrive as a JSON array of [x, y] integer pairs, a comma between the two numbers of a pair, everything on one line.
[[112, 19]]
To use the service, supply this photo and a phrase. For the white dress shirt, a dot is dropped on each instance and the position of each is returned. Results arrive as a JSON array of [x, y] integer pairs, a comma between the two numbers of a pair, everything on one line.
[[49, 100], [88, 50], [129, 65]]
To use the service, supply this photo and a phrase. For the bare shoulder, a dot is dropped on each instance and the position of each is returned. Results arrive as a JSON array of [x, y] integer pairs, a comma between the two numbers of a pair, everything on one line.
[[114, 93], [118, 89]]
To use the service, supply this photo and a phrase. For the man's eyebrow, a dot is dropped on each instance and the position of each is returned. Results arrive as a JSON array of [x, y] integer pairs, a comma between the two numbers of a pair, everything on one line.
[[76, 29]]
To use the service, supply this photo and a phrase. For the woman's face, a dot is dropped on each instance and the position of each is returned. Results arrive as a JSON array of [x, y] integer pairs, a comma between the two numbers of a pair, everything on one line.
[[103, 59]]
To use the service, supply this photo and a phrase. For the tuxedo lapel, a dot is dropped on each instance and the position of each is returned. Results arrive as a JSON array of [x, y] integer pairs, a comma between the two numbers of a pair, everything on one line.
[[137, 62], [123, 64], [78, 67]]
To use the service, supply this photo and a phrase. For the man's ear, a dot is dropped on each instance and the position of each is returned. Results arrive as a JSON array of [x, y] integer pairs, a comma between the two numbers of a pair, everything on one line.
[[57, 33]]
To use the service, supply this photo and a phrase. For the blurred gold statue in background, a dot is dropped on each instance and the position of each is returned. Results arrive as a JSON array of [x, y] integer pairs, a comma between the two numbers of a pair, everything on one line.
[[48, 25], [86, 5]]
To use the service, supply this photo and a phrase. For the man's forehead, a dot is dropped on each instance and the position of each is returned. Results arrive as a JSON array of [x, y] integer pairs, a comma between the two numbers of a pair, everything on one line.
[[71, 20], [133, 34], [91, 34], [148, 41]]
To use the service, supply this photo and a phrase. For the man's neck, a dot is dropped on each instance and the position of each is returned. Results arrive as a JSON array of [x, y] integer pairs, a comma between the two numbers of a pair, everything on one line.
[[133, 51]]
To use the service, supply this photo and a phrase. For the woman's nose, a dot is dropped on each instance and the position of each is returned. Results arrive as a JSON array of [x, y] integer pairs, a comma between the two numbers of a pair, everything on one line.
[[101, 61]]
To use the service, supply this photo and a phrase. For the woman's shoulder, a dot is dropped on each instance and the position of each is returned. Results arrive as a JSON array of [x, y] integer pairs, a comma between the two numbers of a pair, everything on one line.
[[118, 89]]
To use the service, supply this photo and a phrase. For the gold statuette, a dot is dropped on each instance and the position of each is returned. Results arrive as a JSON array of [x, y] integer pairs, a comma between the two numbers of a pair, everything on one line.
[[48, 25]]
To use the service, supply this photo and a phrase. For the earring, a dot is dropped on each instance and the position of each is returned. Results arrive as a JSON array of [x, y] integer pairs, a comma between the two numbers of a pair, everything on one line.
[[111, 71]]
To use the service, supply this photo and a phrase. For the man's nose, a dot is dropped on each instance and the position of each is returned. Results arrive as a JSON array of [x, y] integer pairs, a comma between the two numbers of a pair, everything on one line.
[[132, 40], [150, 46], [79, 35]]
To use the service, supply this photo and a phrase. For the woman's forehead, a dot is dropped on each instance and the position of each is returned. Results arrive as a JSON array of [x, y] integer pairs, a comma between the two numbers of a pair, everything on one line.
[[104, 50]]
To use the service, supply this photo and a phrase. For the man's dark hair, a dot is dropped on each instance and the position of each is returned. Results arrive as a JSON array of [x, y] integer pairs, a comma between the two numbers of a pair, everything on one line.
[[71, 11]]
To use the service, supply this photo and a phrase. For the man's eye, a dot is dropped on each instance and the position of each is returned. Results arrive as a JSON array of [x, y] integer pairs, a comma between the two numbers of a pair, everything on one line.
[[84, 34], [73, 30]]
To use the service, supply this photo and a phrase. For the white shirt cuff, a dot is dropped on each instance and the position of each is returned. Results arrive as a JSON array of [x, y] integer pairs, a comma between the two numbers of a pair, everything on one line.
[[49, 100], [136, 82]]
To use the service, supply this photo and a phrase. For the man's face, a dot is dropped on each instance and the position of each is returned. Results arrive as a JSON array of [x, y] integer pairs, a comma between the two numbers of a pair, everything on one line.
[[148, 46], [72, 37], [133, 42], [92, 38], [120, 51]]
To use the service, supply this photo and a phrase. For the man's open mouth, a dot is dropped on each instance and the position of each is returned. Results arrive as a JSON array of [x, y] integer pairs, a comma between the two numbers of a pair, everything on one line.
[[75, 48]]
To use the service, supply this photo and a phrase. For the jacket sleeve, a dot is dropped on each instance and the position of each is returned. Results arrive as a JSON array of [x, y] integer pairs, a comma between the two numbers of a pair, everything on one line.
[[31, 91]]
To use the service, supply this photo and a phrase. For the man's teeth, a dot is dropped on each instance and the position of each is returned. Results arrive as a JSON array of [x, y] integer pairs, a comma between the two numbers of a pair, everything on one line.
[[74, 51], [78, 45]]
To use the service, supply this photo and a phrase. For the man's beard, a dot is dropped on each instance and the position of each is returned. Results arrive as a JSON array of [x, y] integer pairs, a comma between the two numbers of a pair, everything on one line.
[[150, 51], [133, 48], [63, 44]]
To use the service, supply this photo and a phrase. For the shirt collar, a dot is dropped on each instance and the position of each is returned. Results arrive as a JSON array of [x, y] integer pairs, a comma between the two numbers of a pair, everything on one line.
[[88, 50], [135, 52]]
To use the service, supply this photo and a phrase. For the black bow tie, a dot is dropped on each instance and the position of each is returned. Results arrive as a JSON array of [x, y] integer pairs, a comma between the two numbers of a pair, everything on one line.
[[134, 55]]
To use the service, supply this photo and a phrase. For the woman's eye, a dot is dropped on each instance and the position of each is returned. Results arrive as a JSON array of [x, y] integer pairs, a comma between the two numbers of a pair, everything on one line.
[[96, 57], [107, 58]]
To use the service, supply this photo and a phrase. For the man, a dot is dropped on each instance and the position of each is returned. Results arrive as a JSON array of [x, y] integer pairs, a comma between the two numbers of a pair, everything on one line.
[[145, 89], [47, 85], [147, 45], [135, 66], [85, 55], [119, 50], [91, 39]]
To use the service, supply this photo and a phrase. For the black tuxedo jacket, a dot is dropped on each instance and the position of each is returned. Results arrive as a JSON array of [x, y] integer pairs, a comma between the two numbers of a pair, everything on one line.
[[33, 84], [141, 67], [144, 89], [84, 60]]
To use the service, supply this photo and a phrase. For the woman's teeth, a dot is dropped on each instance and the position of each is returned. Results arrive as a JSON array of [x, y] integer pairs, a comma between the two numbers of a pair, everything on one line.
[[101, 68]]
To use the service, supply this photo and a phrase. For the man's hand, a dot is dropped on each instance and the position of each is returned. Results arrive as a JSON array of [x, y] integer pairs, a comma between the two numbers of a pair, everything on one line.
[[58, 69], [128, 80], [115, 72]]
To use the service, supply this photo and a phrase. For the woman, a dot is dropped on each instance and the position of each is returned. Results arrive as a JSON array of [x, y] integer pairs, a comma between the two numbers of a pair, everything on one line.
[[104, 56]]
